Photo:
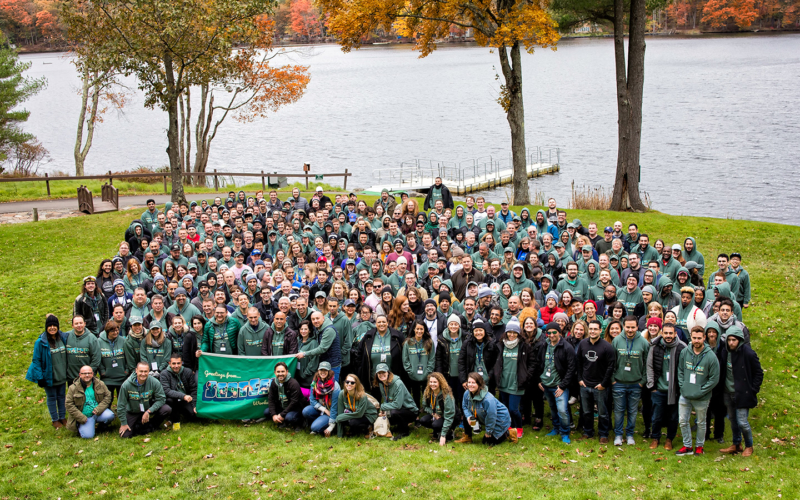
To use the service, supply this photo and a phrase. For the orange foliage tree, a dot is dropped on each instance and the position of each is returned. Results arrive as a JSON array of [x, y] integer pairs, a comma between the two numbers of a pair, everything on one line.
[[306, 20], [719, 13], [508, 26]]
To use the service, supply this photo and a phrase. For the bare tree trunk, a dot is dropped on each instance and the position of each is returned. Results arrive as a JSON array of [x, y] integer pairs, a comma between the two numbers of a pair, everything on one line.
[[515, 114], [630, 88], [90, 96], [173, 139]]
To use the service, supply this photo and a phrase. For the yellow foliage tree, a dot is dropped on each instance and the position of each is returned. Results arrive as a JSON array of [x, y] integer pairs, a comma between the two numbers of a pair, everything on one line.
[[508, 26]]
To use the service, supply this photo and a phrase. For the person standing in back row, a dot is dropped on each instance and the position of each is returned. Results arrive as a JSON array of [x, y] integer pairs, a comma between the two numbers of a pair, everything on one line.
[[438, 192]]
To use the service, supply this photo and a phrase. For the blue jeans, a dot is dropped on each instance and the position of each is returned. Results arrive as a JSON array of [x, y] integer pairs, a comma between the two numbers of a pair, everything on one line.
[[56, 396], [336, 371], [86, 430], [589, 397], [740, 426], [559, 409], [664, 415], [317, 420], [684, 416], [626, 402], [512, 402]]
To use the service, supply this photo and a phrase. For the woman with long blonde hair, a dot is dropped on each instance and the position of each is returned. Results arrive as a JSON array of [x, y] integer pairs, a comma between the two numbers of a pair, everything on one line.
[[439, 407]]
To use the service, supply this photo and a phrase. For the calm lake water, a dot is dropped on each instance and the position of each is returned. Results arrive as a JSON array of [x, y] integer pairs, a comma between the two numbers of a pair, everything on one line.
[[720, 136]]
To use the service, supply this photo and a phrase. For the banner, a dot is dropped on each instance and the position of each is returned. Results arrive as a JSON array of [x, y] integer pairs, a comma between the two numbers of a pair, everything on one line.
[[236, 387]]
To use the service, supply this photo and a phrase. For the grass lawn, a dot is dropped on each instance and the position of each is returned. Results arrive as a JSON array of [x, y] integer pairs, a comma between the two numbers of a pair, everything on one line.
[[41, 265], [27, 191]]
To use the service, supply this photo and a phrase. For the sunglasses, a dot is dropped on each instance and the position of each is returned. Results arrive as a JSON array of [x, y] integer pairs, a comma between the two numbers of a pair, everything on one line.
[[349, 382]]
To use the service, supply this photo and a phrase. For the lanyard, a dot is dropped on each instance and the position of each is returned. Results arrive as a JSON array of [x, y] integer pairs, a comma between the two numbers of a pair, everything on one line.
[[351, 404], [381, 340], [419, 351], [629, 346], [433, 402], [694, 365], [479, 353]]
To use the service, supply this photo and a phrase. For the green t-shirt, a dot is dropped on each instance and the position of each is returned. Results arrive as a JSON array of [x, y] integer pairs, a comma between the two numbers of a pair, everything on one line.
[[508, 379], [729, 376], [277, 343], [381, 351], [91, 402], [550, 377]]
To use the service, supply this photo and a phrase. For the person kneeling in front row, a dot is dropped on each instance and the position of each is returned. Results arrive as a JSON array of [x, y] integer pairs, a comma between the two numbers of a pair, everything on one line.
[[439, 407], [87, 404], [141, 405], [320, 415], [396, 402], [180, 388], [480, 407], [286, 400]]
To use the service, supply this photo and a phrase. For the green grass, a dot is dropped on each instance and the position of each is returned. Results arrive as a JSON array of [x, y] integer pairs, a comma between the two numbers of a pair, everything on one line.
[[28, 191], [40, 269]]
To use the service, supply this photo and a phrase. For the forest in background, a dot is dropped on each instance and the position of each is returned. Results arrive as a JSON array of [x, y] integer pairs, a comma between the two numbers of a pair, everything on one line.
[[35, 25]]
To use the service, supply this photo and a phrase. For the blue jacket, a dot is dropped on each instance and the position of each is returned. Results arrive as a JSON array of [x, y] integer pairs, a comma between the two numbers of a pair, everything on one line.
[[488, 410], [41, 369], [318, 405]]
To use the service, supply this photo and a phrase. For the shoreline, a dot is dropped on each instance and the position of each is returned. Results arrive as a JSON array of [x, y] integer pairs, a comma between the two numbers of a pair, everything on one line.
[[696, 33]]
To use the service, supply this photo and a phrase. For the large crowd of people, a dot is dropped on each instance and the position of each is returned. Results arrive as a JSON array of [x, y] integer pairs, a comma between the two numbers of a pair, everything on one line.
[[461, 318]]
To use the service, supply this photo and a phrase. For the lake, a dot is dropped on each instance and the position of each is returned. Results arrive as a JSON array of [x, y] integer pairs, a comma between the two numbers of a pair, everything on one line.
[[720, 130]]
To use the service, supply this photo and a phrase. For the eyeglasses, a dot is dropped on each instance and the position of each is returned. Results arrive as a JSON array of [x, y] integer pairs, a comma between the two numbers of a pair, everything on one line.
[[349, 382]]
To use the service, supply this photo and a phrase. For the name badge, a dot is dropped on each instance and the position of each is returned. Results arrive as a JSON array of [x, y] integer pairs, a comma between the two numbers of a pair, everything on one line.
[[141, 407], [692, 378], [628, 367], [547, 373], [154, 365], [114, 364], [667, 376], [96, 317], [420, 371], [383, 358], [222, 348]]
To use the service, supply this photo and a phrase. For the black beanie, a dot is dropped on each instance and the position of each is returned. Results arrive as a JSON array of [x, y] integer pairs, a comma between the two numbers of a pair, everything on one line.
[[51, 320], [444, 296]]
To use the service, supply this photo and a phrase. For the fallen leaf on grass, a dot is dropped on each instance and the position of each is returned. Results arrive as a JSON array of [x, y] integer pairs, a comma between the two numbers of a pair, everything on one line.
[[148, 454]]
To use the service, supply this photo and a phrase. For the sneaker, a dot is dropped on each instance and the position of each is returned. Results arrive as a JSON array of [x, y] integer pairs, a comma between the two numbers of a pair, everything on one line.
[[631, 441], [552, 433], [572, 400], [684, 451], [698, 451], [259, 420], [565, 439], [618, 441], [520, 432], [721, 440], [312, 433]]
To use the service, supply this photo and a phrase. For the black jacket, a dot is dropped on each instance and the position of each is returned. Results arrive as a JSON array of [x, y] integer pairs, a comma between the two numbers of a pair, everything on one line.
[[296, 400], [362, 363], [83, 307], [189, 350], [595, 363], [266, 310], [466, 325], [467, 357], [525, 363], [447, 198], [747, 374], [564, 362], [169, 381], [441, 323], [289, 342]]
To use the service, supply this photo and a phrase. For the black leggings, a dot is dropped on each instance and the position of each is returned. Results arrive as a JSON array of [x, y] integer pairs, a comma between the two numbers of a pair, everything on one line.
[[401, 418], [358, 426], [416, 389], [716, 412], [436, 425], [647, 409]]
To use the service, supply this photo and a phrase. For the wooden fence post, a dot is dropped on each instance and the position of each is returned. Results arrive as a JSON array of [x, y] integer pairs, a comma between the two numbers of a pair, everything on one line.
[[48, 185], [263, 184], [345, 179], [110, 178], [216, 181], [165, 184], [35, 215]]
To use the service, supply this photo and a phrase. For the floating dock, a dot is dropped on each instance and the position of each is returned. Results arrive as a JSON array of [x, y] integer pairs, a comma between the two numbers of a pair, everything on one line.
[[463, 177]]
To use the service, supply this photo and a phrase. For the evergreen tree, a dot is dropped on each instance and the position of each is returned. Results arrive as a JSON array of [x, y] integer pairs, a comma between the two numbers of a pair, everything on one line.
[[14, 90]]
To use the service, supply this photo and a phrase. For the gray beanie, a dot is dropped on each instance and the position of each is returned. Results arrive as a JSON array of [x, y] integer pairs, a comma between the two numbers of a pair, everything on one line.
[[454, 317], [513, 325]]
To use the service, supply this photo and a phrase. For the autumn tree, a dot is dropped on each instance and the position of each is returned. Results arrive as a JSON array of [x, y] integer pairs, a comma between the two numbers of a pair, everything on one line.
[[169, 45], [719, 13], [508, 26], [305, 19]]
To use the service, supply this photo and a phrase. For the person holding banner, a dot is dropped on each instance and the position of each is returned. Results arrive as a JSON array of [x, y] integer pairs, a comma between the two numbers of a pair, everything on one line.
[[286, 400], [220, 335], [328, 349], [396, 402], [279, 339], [354, 410], [320, 414]]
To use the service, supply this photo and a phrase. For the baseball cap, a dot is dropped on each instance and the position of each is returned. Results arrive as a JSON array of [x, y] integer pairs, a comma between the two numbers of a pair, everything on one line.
[[608, 229]]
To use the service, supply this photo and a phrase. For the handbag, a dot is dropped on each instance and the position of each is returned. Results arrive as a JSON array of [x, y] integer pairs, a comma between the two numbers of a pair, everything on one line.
[[381, 427]]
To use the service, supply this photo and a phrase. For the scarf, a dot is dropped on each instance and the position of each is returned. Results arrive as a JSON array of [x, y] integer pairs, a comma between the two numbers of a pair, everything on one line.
[[724, 324], [510, 344], [137, 336], [672, 393], [323, 390], [156, 343]]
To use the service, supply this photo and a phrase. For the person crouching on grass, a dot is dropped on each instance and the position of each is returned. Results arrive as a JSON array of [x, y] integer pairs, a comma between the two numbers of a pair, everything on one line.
[[439, 407], [480, 407]]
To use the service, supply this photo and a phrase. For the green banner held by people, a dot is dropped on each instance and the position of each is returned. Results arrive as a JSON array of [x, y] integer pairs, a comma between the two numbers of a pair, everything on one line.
[[236, 387]]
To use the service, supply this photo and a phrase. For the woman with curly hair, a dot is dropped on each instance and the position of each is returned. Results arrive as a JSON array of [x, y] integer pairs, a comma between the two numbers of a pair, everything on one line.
[[439, 407]]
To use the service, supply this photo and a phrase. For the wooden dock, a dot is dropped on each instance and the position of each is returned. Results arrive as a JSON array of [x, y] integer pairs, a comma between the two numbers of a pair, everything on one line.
[[463, 177]]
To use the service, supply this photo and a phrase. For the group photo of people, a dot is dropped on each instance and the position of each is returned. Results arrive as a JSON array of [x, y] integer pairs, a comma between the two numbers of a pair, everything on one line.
[[469, 319]]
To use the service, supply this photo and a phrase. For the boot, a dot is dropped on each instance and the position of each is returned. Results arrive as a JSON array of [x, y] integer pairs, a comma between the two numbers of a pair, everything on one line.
[[466, 439], [57, 424], [63, 422], [512, 434], [654, 444], [747, 451], [668, 444], [732, 449]]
